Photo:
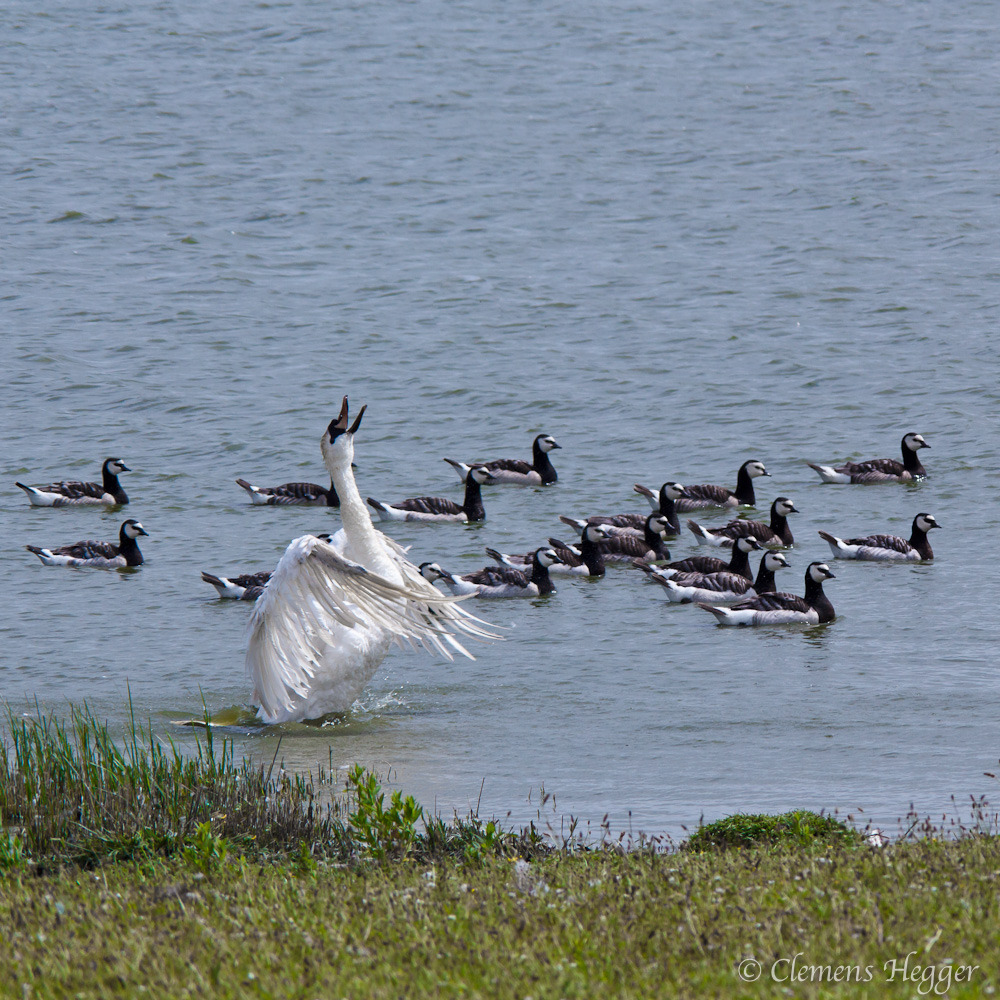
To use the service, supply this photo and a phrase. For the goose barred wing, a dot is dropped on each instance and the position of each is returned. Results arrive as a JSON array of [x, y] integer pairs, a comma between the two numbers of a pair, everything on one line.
[[774, 602], [89, 550], [893, 542], [874, 470], [744, 529], [706, 493], [429, 505], [74, 490], [508, 465], [730, 583]]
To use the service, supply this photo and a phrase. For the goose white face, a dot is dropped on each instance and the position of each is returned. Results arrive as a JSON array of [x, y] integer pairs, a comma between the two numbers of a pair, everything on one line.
[[116, 465], [820, 572], [775, 560], [547, 443], [747, 544], [597, 533], [133, 529], [547, 557], [673, 490], [755, 469], [482, 475], [431, 571], [914, 442], [784, 506], [926, 521]]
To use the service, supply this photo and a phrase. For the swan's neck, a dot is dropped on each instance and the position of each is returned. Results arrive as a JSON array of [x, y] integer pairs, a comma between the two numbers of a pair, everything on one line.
[[364, 542]]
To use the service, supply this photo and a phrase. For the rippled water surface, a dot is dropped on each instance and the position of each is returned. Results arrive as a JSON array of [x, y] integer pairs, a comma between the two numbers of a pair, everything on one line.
[[673, 237]]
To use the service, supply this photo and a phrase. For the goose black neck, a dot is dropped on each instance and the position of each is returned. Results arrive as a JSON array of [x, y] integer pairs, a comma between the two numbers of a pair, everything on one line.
[[816, 598], [592, 556], [128, 548], [920, 541], [540, 577], [779, 525], [744, 488], [112, 486], [764, 584], [542, 464], [739, 562], [911, 463], [655, 541], [473, 503], [669, 511]]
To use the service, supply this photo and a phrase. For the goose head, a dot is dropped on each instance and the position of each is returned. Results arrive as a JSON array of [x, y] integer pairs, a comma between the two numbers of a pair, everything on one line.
[[774, 561], [924, 522], [546, 442], [431, 571], [596, 533], [337, 443], [818, 572], [914, 442], [132, 529], [115, 465], [746, 543], [658, 524], [784, 507], [753, 469]]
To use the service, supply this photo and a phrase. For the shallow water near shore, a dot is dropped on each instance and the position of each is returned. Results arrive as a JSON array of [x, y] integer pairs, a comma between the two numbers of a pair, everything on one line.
[[672, 240]]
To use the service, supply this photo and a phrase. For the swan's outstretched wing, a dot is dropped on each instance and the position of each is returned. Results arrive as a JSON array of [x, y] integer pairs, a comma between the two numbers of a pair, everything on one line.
[[314, 591]]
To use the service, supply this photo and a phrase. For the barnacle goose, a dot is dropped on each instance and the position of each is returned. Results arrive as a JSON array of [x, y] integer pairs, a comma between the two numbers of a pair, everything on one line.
[[538, 472], [292, 495], [499, 581], [686, 588], [887, 548], [72, 492], [103, 555], [331, 610], [739, 562], [782, 608], [439, 508], [707, 495], [246, 587], [586, 558], [879, 470], [775, 535]]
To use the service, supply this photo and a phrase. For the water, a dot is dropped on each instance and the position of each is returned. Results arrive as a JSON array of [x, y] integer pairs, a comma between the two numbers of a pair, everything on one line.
[[672, 237]]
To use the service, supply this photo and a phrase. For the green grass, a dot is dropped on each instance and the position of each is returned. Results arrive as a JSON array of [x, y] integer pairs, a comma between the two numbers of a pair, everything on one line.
[[128, 870]]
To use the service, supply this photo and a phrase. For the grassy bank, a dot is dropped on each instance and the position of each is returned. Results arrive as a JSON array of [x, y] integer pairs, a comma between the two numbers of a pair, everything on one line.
[[127, 874]]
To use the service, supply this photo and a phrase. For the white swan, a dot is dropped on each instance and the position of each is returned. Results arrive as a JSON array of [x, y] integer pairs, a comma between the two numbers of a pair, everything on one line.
[[331, 610]]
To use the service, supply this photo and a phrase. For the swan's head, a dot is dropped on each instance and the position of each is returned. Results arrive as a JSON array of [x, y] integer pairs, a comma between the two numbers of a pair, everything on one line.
[[337, 443]]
